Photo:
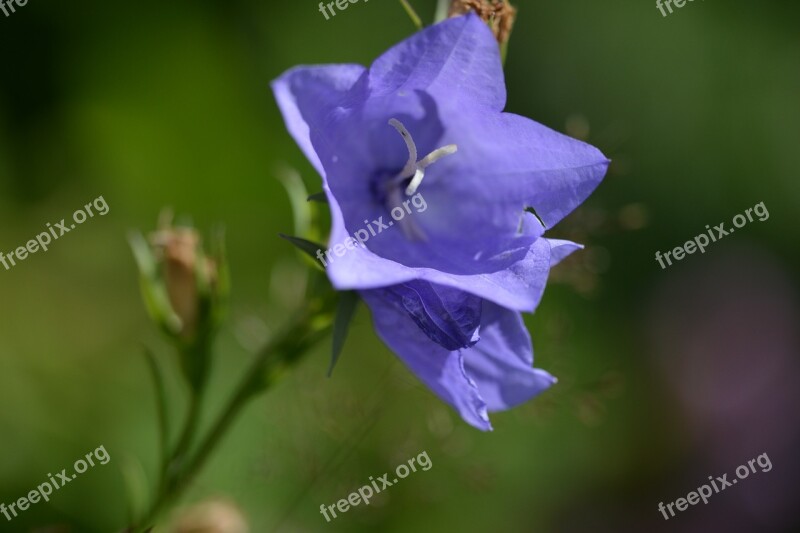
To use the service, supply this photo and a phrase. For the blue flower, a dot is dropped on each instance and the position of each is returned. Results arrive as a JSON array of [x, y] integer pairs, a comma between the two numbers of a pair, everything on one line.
[[445, 286]]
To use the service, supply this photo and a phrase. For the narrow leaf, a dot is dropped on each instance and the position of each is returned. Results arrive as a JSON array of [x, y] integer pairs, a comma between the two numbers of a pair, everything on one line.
[[345, 310], [135, 480], [142, 255], [318, 197], [154, 293], [222, 287], [533, 212], [293, 183], [306, 246]]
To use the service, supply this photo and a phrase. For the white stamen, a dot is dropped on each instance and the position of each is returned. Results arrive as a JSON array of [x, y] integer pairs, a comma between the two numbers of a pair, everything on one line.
[[416, 169], [412, 148], [437, 154], [415, 182]]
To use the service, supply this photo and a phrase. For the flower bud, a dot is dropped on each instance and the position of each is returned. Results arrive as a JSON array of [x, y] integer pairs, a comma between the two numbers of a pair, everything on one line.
[[184, 288], [182, 263]]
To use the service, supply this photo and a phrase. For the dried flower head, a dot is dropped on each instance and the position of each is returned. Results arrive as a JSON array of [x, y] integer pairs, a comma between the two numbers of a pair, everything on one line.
[[499, 14]]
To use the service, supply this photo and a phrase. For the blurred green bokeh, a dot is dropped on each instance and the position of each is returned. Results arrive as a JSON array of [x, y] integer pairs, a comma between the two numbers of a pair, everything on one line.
[[167, 103]]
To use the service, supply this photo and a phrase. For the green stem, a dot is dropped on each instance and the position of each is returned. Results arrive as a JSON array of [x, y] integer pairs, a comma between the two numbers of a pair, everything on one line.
[[413, 14], [174, 461], [161, 406], [271, 362], [178, 481], [442, 8], [189, 429]]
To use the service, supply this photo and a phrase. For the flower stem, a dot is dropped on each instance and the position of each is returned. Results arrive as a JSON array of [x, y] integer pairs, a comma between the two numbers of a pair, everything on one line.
[[273, 360], [412, 14], [442, 7], [188, 433], [161, 405]]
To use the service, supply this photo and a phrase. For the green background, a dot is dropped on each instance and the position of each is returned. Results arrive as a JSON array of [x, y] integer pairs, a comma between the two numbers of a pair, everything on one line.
[[666, 376]]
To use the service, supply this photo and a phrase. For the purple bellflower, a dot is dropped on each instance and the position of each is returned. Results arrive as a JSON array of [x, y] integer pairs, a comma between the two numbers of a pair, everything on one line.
[[445, 287]]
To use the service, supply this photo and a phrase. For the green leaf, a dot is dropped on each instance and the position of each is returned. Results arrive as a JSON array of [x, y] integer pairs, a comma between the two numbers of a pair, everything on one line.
[[345, 310], [319, 197], [142, 255], [533, 212], [306, 246], [201, 273], [297, 192], [135, 480], [154, 293], [223, 286]]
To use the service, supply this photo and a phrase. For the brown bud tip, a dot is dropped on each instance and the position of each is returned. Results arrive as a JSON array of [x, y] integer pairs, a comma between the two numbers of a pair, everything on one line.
[[177, 249], [499, 14]]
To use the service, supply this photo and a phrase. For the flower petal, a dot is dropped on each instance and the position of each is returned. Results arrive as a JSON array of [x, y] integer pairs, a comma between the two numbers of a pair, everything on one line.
[[475, 220], [505, 163], [306, 97], [449, 317], [519, 286], [560, 249], [502, 362], [456, 59], [440, 369], [516, 162]]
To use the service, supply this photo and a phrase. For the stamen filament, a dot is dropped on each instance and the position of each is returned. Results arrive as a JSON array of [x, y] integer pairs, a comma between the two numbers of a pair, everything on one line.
[[437, 154], [415, 182], [416, 169], [412, 148]]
